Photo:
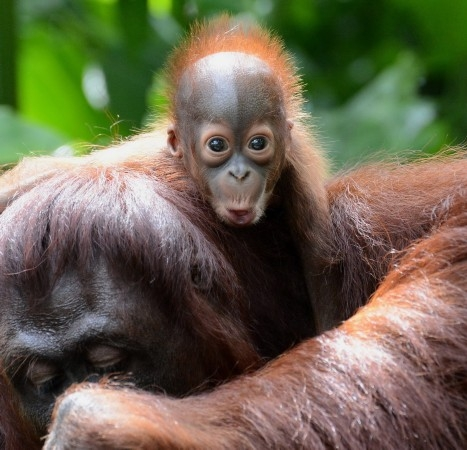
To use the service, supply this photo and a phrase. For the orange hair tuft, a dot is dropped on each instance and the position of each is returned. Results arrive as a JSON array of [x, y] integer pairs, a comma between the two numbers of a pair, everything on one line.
[[225, 34]]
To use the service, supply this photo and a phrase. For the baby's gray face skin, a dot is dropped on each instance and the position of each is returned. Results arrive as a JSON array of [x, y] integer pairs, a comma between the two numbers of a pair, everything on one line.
[[232, 133]]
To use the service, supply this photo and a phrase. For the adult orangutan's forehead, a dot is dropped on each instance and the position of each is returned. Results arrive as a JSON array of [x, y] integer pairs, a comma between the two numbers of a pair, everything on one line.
[[231, 86]]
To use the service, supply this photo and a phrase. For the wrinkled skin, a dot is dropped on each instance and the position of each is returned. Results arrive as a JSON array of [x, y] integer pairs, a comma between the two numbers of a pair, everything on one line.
[[84, 331]]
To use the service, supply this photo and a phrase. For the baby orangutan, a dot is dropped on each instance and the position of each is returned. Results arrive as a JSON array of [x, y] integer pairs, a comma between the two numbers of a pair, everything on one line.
[[237, 123]]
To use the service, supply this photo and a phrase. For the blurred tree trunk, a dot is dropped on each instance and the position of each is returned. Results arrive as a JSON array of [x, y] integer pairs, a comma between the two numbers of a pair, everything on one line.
[[134, 22], [8, 53], [179, 12]]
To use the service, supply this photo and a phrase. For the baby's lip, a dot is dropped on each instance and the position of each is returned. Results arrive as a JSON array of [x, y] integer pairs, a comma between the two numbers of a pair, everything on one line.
[[240, 217]]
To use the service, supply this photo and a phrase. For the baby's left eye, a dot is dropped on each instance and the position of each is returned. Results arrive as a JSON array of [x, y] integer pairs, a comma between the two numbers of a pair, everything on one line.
[[257, 143]]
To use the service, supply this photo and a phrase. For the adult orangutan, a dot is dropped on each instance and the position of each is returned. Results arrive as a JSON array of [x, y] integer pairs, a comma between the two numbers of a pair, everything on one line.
[[112, 271], [250, 157], [125, 271], [394, 376]]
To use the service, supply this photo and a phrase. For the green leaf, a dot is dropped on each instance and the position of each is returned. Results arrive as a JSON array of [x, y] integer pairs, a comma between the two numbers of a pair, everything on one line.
[[386, 117], [51, 69], [19, 137]]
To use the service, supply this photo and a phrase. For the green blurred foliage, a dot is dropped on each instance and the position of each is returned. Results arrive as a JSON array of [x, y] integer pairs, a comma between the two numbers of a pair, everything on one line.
[[18, 136], [381, 77]]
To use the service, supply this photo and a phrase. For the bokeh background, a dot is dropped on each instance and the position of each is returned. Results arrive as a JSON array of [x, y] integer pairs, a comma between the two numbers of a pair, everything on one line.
[[382, 76]]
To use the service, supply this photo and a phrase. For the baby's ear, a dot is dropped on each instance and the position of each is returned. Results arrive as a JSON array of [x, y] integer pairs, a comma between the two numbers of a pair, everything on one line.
[[173, 144]]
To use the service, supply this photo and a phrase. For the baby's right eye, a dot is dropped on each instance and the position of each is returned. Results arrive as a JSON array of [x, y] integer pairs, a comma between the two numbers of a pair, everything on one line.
[[217, 145]]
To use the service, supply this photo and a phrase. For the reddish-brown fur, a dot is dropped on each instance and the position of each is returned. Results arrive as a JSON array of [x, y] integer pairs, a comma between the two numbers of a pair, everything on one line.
[[393, 376], [15, 432], [226, 35], [119, 214]]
